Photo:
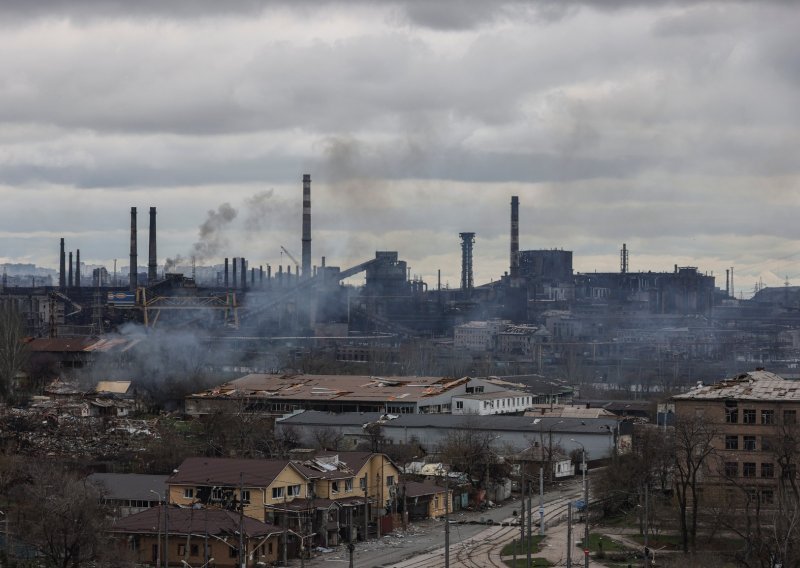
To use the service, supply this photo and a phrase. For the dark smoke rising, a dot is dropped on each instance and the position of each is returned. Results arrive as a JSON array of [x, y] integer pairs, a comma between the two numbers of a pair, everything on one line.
[[212, 232], [165, 364], [259, 209], [171, 263]]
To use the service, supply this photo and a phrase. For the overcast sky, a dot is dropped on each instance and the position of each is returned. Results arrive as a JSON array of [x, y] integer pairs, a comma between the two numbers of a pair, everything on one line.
[[671, 126]]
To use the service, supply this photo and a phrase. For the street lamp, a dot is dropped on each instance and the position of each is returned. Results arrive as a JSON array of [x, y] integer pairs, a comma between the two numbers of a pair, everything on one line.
[[585, 503]]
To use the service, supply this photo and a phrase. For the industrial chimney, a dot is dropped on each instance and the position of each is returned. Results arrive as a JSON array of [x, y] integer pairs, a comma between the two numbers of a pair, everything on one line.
[[69, 278], [152, 266], [306, 226], [132, 276], [467, 240], [78, 268], [514, 236], [62, 268], [623, 259], [226, 272]]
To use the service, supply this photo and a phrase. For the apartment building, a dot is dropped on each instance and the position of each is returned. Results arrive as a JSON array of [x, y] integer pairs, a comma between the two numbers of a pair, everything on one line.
[[751, 416]]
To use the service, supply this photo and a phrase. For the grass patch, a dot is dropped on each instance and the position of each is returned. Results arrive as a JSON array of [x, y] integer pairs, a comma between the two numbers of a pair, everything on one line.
[[666, 541], [595, 540], [508, 549], [523, 563]]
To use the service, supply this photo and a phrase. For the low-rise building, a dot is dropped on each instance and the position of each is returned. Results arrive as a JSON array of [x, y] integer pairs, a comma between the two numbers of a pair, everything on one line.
[[129, 493], [197, 537], [500, 402], [280, 394]]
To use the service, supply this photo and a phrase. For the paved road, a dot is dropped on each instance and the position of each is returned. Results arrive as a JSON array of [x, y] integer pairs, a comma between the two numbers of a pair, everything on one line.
[[423, 544]]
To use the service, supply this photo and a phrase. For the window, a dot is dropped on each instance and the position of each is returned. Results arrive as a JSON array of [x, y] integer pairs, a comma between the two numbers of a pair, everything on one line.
[[790, 417], [194, 550], [232, 552], [334, 487], [731, 442], [748, 469], [766, 444], [217, 494], [731, 469], [390, 480], [749, 443], [768, 417], [181, 550], [789, 471], [731, 414], [767, 496], [749, 416], [188, 493], [436, 501], [294, 490], [245, 496], [767, 470], [348, 485], [277, 492], [459, 404], [362, 483]]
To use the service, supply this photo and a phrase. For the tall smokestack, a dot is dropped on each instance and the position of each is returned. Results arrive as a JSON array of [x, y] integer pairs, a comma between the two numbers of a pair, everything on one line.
[[78, 268], [235, 283], [226, 272], [70, 281], [133, 276], [244, 273], [467, 240], [727, 283], [514, 236], [62, 268], [623, 259], [306, 226], [152, 266]]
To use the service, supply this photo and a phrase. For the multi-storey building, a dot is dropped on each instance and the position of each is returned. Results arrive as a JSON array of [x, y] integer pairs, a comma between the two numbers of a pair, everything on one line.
[[750, 417]]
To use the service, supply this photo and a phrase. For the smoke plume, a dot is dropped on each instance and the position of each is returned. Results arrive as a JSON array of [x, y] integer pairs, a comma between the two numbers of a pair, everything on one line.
[[212, 232]]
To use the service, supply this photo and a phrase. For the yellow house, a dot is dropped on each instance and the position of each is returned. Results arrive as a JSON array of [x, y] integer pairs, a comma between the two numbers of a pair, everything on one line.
[[363, 487], [425, 500], [255, 486]]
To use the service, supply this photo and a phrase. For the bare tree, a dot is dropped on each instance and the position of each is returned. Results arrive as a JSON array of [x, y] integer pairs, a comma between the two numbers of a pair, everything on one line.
[[327, 438], [13, 350], [468, 449], [61, 515], [693, 445]]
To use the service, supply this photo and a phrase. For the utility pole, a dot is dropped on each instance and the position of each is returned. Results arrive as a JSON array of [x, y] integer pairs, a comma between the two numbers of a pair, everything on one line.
[[446, 520], [166, 528], [586, 505], [541, 501], [242, 555], [522, 506], [285, 529], [569, 534], [646, 527], [530, 522]]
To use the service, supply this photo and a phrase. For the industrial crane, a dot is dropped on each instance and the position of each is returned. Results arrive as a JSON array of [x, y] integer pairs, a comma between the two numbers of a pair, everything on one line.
[[293, 259]]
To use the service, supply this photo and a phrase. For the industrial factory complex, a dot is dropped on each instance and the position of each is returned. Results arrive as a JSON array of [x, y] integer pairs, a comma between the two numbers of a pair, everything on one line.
[[540, 316], [289, 404]]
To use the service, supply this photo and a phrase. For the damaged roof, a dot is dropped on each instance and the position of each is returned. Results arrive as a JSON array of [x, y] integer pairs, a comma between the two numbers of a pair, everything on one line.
[[754, 385], [332, 387]]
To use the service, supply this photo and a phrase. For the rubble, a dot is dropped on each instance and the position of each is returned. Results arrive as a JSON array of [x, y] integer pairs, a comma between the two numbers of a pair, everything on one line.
[[51, 429]]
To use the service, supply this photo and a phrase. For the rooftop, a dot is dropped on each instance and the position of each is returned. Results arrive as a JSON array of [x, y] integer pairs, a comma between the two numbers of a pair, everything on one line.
[[129, 485], [182, 521], [755, 385], [229, 472], [332, 387], [493, 395]]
